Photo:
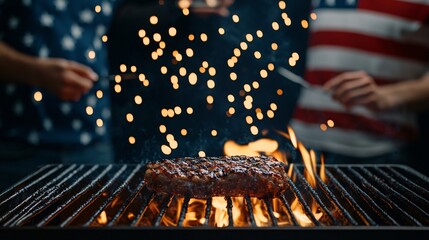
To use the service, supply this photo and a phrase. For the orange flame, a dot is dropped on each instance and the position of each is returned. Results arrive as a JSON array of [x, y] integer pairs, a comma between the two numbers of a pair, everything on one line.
[[267, 146], [219, 217]]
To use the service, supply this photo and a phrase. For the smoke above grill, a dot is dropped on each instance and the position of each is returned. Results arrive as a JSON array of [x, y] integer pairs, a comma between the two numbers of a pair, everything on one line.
[[67, 199]]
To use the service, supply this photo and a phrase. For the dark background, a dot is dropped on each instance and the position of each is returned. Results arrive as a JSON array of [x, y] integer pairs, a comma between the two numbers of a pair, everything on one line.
[[126, 47]]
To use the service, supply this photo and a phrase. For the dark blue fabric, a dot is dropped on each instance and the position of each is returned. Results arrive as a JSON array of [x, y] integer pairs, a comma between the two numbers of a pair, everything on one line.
[[61, 29]]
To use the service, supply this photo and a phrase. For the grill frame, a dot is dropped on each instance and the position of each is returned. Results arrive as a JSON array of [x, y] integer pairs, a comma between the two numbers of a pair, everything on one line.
[[123, 232], [253, 232]]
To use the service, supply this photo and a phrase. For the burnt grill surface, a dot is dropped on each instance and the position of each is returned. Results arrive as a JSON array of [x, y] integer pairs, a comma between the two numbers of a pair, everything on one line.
[[113, 199]]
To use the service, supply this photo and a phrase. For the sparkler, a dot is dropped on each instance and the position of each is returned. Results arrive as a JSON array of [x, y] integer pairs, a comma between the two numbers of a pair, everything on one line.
[[191, 65]]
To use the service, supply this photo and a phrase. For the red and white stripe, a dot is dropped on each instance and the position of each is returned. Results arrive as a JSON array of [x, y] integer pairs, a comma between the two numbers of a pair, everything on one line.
[[386, 38]]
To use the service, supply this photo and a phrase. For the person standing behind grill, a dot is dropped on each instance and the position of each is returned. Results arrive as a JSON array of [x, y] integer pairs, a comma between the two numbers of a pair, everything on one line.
[[54, 106], [371, 58]]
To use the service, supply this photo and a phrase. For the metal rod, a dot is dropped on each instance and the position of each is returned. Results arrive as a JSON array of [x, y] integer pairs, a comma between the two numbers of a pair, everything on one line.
[[229, 209], [328, 193], [402, 188], [290, 212], [183, 211], [43, 200], [96, 194], [250, 209], [139, 215], [24, 205], [11, 193], [164, 206], [127, 202], [302, 202], [208, 210], [391, 193], [373, 205], [344, 193], [102, 206], [271, 212], [415, 187], [315, 195]]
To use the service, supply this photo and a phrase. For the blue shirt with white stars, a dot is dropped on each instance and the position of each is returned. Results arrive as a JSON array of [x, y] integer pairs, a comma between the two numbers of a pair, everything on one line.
[[61, 29]]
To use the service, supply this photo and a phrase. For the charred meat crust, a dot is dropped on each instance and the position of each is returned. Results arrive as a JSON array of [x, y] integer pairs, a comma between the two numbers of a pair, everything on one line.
[[203, 177]]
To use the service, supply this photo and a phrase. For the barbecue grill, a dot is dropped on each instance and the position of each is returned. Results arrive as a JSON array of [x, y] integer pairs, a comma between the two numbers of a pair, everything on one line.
[[112, 201]]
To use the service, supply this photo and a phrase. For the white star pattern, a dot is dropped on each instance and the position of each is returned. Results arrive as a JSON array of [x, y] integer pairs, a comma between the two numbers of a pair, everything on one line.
[[47, 124], [85, 138], [60, 4], [18, 108], [26, 2], [28, 40], [79, 31], [106, 113], [97, 43], [65, 108], [46, 20], [44, 52], [91, 101], [67, 43], [76, 31], [33, 137], [76, 124], [100, 130], [106, 8], [13, 22], [101, 29], [10, 88], [86, 16], [330, 2], [104, 84]]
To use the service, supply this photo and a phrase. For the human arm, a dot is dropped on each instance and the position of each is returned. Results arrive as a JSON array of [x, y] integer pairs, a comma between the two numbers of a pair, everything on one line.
[[66, 79], [359, 88]]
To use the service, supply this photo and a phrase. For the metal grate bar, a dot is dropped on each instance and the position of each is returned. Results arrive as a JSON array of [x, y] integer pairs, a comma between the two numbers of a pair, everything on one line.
[[271, 212], [12, 192], [208, 210], [305, 206], [373, 205], [402, 188], [407, 217], [229, 209], [139, 215], [250, 209], [25, 205], [328, 193], [413, 186], [43, 200], [314, 195], [127, 202], [344, 193], [291, 216], [183, 211], [96, 194], [164, 206], [417, 210], [112, 196], [69, 200]]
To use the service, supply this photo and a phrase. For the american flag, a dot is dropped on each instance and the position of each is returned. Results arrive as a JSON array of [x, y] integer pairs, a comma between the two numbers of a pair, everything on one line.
[[386, 38]]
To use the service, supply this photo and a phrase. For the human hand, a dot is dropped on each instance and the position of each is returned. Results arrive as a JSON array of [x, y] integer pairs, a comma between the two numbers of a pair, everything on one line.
[[66, 79], [359, 88]]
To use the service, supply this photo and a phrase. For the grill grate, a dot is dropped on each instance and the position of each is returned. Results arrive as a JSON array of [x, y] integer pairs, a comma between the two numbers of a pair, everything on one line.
[[107, 197]]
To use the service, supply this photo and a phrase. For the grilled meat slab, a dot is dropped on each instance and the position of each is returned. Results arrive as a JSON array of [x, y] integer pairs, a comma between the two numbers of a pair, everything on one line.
[[203, 177]]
